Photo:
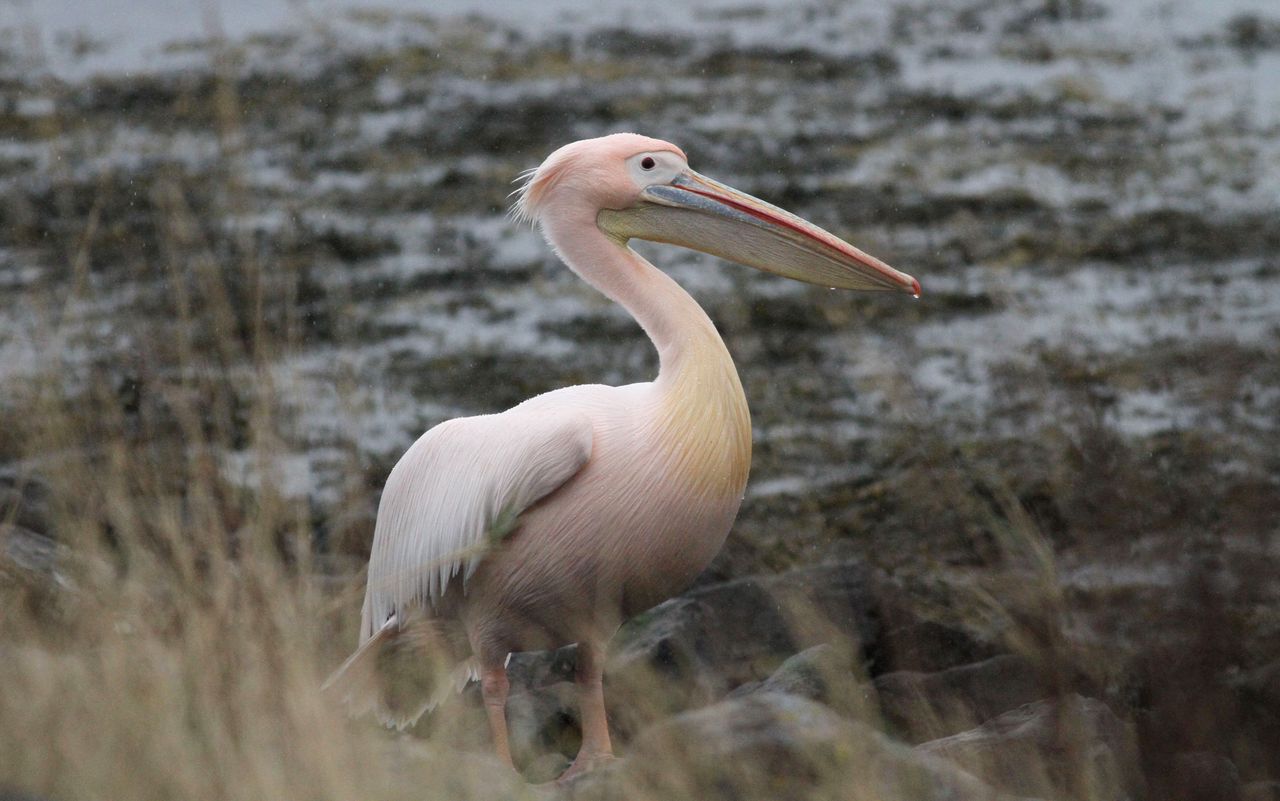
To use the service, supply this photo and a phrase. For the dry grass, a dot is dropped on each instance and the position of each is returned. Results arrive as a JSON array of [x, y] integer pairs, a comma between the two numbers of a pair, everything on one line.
[[174, 647]]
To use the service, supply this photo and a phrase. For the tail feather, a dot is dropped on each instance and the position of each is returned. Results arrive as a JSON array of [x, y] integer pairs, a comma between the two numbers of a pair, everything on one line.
[[399, 674]]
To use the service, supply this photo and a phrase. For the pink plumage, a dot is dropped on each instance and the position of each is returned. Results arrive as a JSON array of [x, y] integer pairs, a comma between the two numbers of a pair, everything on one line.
[[555, 521]]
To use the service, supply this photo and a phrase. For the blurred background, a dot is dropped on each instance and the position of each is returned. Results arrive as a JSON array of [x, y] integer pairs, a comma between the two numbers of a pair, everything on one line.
[[250, 250]]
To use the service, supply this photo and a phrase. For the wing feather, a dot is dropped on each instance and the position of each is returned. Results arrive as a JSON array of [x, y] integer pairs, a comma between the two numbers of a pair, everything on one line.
[[461, 486]]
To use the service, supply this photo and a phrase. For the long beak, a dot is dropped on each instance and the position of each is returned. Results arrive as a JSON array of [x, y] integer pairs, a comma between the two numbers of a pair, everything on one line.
[[696, 212]]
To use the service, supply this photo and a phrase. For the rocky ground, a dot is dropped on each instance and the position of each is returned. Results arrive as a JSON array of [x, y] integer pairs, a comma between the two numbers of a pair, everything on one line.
[[1018, 536]]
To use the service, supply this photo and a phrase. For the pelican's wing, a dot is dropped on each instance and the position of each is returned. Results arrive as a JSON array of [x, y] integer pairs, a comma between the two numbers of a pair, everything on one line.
[[462, 485]]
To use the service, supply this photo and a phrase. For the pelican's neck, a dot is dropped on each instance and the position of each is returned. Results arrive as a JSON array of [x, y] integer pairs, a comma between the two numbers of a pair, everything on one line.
[[683, 334], [702, 414]]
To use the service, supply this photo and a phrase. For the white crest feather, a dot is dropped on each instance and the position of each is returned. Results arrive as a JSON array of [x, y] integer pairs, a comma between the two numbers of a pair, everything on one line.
[[520, 212]]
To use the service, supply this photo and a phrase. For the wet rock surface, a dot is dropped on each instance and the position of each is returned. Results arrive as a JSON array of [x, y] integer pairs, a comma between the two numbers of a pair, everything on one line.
[[698, 639], [1206, 775], [1049, 749], [923, 706], [778, 746], [821, 673], [1260, 791]]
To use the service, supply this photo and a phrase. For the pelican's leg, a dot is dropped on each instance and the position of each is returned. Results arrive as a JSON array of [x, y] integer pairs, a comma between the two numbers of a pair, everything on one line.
[[494, 687], [596, 748]]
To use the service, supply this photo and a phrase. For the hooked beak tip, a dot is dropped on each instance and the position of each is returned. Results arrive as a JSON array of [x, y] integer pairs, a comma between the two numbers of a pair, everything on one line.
[[915, 288]]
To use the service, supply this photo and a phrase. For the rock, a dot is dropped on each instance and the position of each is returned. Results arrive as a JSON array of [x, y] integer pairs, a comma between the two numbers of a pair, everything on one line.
[[822, 673], [772, 745], [27, 550], [910, 643], [926, 706], [542, 721], [534, 670], [1260, 791], [1260, 687], [775, 737], [24, 501], [35, 562], [693, 649], [1205, 776], [29, 556], [545, 768], [1069, 747], [602, 784]]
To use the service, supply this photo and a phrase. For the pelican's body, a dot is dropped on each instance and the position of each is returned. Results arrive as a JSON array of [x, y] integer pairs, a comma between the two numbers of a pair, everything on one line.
[[623, 534], [634, 526], [555, 521]]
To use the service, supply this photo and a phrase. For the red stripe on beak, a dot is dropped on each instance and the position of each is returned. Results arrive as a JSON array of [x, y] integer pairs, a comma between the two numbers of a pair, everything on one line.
[[816, 234]]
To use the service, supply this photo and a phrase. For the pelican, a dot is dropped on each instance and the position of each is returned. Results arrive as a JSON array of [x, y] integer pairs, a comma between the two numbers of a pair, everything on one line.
[[555, 521]]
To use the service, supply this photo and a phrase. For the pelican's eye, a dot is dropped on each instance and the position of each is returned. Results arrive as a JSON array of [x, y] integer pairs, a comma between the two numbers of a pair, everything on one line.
[[650, 169]]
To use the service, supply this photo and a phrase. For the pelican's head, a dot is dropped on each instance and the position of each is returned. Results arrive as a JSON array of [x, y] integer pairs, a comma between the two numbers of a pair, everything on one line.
[[642, 188]]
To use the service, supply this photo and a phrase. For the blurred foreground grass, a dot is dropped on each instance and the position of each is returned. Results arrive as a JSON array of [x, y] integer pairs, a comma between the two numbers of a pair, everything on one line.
[[168, 638]]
